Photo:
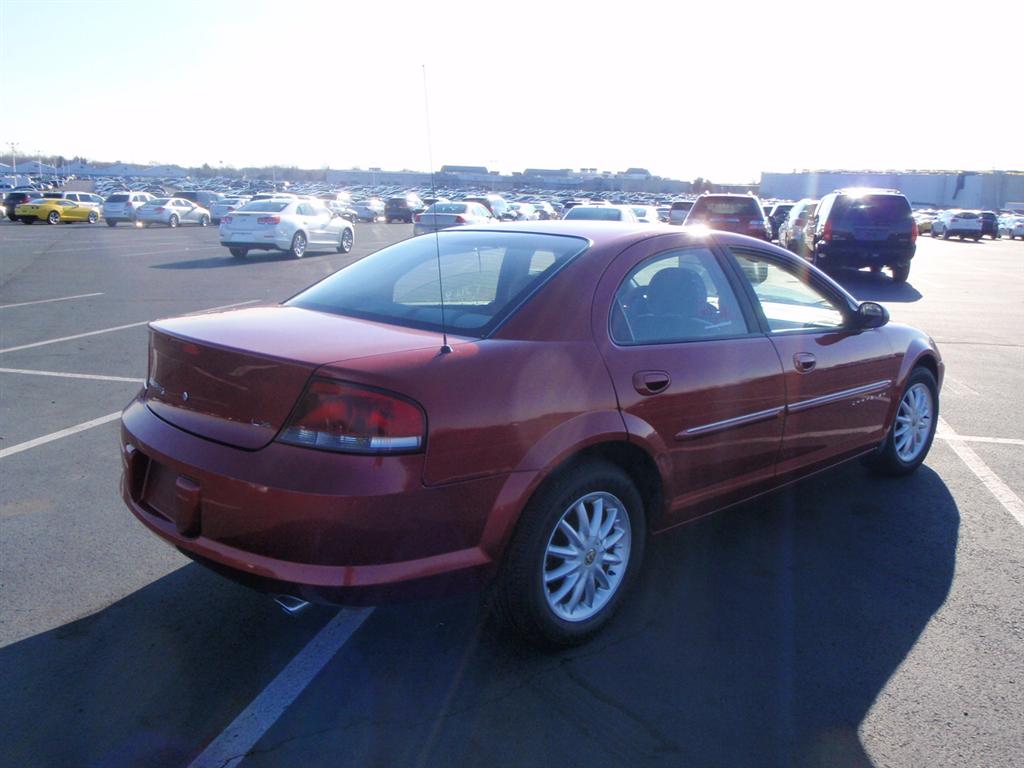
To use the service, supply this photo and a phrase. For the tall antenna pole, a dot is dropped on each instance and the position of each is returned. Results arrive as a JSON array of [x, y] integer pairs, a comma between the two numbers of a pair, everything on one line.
[[445, 346]]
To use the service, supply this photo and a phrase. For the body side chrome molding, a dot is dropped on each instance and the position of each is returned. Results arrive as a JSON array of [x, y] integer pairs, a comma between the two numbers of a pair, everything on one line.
[[736, 421], [814, 402]]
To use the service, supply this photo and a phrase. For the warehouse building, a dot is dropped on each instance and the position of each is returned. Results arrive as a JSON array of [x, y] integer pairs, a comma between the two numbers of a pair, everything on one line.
[[987, 190]]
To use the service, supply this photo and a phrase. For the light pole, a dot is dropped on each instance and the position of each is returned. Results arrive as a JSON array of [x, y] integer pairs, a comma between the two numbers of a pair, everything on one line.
[[14, 163]]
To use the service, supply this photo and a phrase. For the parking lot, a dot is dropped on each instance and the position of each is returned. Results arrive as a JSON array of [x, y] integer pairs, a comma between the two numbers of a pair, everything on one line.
[[846, 621]]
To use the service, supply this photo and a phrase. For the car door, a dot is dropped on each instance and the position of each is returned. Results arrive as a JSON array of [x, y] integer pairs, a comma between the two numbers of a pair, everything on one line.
[[326, 225], [697, 381], [839, 378]]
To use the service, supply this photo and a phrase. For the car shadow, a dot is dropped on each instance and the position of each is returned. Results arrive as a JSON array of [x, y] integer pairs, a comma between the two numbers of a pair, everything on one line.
[[227, 260], [876, 286], [758, 636]]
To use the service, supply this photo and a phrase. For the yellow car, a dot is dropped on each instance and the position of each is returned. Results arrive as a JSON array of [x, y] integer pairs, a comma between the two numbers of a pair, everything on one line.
[[55, 211]]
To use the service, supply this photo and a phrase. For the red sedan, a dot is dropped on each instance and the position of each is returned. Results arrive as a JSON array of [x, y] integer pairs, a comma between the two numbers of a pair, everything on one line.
[[581, 386]]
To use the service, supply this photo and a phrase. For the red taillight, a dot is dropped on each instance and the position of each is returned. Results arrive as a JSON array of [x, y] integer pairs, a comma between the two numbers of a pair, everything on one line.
[[225, 219], [159, 210], [128, 205], [913, 231], [336, 416], [268, 220], [418, 217], [826, 233], [460, 219]]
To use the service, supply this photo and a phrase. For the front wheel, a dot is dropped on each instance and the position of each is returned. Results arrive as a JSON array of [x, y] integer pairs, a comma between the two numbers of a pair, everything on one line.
[[173, 221], [53, 218], [28, 220], [347, 239], [578, 547], [111, 223], [204, 221], [298, 248], [913, 429]]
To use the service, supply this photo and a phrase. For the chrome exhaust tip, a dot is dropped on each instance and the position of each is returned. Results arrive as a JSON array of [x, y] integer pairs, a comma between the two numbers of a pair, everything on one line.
[[290, 604]]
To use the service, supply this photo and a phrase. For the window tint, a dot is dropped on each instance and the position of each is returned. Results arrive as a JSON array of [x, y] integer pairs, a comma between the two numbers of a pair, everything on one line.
[[486, 275], [676, 296], [788, 302], [117, 199], [264, 206], [594, 214], [732, 207], [871, 209]]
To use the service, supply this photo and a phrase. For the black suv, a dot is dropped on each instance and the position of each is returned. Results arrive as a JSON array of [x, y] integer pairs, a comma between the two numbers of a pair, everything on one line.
[[731, 213], [863, 228], [989, 224], [13, 199], [403, 208]]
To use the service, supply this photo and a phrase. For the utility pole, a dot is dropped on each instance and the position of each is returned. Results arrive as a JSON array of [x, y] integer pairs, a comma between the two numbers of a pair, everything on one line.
[[14, 164]]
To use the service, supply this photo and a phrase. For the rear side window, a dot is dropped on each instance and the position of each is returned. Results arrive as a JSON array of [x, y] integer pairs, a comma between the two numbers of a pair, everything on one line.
[[486, 276], [676, 296], [871, 209]]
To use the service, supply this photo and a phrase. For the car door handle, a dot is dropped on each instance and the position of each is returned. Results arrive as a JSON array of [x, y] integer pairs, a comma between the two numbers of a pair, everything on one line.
[[651, 382], [804, 362]]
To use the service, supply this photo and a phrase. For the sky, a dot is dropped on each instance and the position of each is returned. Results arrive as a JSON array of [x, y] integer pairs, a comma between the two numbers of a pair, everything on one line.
[[722, 90]]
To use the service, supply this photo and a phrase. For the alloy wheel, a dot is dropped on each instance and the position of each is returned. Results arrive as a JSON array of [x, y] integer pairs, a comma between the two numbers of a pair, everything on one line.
[[913, 422]]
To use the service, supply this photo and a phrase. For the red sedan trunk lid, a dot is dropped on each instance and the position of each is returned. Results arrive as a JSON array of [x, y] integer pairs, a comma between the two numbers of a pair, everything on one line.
[[234, 377]]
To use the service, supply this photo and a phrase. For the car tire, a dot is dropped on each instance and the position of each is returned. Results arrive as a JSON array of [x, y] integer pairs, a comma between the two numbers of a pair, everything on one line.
[[917, 415], [900, 272], [535, 606], [93, 217], [28, 220], [111, 223], [298, 246], [239, 253], [173, 221], [347, 240], [934, 231], [945, 234], [53, 218], [204, 221]]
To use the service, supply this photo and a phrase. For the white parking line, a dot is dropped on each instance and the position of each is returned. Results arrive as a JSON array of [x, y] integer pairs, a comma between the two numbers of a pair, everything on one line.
[[1011, 501], [62, 375], [115, 328], [47, 301], [235, 741], [974, 439], [58, 435]]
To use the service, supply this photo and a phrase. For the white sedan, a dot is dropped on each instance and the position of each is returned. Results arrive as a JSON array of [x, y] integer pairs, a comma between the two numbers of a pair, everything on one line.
[[172, 211], [293, 226], [1011, 227]]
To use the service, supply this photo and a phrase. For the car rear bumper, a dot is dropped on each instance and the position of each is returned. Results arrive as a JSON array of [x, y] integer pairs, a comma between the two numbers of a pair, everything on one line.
[[270, 241], [865, 254], [323, 526]]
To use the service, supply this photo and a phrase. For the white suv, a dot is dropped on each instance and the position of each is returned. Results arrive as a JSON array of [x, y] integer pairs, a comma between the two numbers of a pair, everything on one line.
[[285, 225], [957, 224], [123, 206]]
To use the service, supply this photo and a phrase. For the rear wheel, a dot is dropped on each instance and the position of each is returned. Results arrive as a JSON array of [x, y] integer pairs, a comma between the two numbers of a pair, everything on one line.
[[53, 218], [347, 239], [204, 221], [913, 429], [945, 234], [298, 247], [93, 217], [173, 221], [111, 223], [900, 273], [578, 547], [239, 253], [28, 220]]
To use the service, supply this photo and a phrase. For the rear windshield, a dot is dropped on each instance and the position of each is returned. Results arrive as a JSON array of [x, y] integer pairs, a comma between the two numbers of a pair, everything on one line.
[[486, 277], [398, 202], [448, 208], [594, 214], [264, 206], [871, 209], [739, 207], [117, 199], [682, 206]]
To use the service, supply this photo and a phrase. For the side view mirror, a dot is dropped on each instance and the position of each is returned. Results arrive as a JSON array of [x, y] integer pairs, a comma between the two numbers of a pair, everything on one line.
[[870, 314]]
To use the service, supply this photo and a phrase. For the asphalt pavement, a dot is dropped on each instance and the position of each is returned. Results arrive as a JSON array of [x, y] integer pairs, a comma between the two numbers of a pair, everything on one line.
[[846, 621]]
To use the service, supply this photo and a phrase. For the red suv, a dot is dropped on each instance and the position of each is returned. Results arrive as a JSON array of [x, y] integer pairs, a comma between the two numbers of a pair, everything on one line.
[[517, 406]]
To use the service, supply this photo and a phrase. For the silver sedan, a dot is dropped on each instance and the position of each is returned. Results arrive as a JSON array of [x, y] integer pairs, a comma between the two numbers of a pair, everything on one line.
[[172, 211]]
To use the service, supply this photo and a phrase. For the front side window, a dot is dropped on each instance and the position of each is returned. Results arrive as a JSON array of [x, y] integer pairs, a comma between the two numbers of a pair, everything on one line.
[[789, 303], [677, 296]]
